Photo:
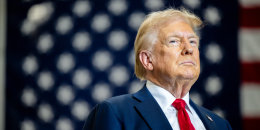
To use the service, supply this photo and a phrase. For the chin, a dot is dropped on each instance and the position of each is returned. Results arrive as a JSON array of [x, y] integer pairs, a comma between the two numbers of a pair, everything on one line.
[[190, 76]]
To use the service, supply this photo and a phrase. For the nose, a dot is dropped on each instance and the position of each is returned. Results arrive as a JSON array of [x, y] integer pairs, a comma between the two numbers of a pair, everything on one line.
[[187, 48]]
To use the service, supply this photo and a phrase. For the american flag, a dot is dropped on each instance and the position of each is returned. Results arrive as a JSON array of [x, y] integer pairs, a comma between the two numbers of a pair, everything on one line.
[[63, 57]]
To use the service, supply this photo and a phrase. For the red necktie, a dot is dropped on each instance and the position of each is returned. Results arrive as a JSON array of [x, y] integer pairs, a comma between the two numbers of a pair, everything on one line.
[[183, 117]]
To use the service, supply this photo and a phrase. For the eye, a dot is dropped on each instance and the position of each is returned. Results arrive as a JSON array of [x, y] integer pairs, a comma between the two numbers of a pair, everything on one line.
[[174, 41], [193, 42]]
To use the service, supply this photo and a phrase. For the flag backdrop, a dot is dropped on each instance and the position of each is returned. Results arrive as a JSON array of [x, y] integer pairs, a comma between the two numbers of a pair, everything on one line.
[[249, 55], [64, 57]]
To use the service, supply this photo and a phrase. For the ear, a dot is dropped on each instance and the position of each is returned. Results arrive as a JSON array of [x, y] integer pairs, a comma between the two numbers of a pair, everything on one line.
[[145, 58]]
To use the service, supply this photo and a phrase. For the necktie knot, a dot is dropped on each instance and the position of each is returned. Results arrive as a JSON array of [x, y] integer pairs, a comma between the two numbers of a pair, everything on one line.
[[179, 104]]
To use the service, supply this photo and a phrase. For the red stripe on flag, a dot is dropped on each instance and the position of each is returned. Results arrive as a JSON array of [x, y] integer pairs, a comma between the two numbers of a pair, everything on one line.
[[251, 123], [250, 17], [250, 72]]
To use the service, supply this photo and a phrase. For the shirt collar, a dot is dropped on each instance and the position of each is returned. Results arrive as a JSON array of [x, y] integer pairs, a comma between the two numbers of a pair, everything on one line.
[[163, 97]]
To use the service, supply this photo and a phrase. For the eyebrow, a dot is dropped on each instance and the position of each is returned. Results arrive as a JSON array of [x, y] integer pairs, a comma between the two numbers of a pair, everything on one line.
[[190, 35]]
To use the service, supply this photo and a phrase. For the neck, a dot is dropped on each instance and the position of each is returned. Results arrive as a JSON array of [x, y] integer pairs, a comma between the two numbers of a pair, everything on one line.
[[177, 87]]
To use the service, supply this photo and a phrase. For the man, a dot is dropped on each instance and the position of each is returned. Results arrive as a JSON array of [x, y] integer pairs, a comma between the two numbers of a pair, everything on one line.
[[167, 56]]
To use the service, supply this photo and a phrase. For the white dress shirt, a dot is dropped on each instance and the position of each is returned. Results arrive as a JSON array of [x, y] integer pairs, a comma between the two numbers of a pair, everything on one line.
[[165, 99]]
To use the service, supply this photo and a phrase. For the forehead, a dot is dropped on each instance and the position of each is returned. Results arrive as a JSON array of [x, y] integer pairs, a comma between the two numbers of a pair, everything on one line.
[[178, 28]]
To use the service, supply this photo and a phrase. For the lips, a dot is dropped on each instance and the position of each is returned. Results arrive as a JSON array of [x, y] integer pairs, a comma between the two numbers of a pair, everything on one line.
[[187, 63]]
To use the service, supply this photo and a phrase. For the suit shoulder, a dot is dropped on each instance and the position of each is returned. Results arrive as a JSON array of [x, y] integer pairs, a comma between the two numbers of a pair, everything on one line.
[[119, 99], [118, 105]]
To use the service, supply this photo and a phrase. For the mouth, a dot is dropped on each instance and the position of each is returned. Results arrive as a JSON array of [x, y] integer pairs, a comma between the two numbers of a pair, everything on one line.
[[187, 63]]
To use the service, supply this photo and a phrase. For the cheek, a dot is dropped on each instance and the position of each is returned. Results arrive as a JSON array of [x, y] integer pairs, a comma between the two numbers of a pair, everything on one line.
[[172, 54], [171, 62], [197, 55]]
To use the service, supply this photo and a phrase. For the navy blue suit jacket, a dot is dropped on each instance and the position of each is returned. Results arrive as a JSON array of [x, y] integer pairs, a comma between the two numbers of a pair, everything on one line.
[[140, 111]]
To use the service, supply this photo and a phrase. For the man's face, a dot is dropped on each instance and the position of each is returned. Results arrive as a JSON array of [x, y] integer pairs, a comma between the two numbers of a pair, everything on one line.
[[177, 57]]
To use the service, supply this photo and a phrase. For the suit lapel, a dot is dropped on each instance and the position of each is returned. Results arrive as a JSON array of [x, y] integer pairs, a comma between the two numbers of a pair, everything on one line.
[[150, 110], [208, 121]]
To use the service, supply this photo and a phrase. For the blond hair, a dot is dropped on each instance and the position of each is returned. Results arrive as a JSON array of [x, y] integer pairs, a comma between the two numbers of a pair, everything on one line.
[[149, 31]]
